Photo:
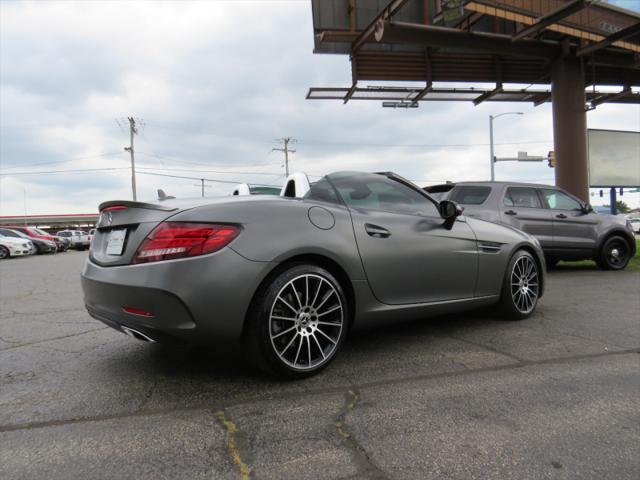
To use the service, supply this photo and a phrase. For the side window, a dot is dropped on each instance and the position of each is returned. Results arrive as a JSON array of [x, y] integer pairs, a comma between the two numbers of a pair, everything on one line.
[[377, 192], [322, 191], [558, 200], [470, 195], [521, 197]]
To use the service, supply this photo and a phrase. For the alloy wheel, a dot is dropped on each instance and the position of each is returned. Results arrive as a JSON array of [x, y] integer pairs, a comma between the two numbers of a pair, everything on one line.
[[525, 285], [4, 253], [306, 321]]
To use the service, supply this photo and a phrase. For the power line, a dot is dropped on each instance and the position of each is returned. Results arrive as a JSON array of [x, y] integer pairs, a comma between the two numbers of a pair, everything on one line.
[[209, 171], [206, 179], [190, 162], [433, 145], [50, 172], [64, 161]]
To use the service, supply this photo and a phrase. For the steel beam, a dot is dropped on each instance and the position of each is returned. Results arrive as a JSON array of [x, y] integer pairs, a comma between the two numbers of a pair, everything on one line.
[[477, 42], [630, 31], [487, 95], [385, 15], [550, 18], [350, 92], [611, 97]]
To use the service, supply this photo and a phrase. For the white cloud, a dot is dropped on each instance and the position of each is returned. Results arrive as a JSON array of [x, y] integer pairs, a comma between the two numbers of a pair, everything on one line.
[[216, 83]]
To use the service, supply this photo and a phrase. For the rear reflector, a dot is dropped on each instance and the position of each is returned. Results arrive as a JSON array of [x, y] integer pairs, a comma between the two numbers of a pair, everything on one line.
[[172, 240], [137, 311]]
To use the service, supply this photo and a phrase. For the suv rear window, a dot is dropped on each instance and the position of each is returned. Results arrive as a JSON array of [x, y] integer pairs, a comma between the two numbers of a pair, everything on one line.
[[470, 195]]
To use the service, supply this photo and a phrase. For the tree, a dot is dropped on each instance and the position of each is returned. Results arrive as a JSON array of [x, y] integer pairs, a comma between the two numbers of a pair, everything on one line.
[[621, 207]]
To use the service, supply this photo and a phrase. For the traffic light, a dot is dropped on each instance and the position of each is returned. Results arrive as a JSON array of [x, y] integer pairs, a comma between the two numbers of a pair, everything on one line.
[[551, 158]]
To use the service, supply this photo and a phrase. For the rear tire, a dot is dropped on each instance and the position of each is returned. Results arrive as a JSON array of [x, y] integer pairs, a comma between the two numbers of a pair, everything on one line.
[[297, 322], [520, 287], [614, 254]]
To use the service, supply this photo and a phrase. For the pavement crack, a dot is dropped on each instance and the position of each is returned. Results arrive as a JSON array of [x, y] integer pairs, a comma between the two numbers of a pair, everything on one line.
[[148, 394], [232, 447], [488, 347], [358, 453]]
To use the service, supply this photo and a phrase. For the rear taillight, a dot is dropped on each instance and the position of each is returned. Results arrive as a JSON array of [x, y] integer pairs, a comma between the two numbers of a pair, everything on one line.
[[171, 240]]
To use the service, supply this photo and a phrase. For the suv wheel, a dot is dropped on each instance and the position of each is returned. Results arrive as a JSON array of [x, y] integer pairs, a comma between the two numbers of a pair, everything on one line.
[[614, 254], [298, 322]]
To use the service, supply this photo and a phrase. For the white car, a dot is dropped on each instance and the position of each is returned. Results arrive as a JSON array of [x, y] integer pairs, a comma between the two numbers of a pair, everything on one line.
[[79, 239], [15, 247], [635, 224]]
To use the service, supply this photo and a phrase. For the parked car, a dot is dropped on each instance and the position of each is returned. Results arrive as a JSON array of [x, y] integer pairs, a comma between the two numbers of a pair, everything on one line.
[[33, 232], [14, 247], [79, 239], [40, 246], [567, 228], [63, 243], [635, 224], [288, 277], [296, 185]]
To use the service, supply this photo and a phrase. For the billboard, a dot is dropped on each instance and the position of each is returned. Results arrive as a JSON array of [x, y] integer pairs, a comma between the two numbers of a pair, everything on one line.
[[614, 158]]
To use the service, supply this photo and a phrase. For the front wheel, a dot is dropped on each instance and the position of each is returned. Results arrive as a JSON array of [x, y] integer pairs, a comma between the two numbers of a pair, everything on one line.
[[4, 252], [297, 322], [615, 254], [521, 286]]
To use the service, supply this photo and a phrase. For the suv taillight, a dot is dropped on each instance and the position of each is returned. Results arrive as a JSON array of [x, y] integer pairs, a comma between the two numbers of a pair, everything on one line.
[[171, 240]]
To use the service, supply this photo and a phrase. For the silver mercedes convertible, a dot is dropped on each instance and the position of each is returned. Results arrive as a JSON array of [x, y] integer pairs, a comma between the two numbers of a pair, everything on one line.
[[288, 278]]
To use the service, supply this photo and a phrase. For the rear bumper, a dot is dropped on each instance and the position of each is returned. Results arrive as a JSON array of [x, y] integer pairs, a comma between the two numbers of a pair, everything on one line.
[[198, 300]]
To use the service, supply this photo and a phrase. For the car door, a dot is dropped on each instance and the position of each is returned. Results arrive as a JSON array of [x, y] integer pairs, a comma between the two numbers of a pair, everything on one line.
[[407, 253], [572, 228], [522, 207]]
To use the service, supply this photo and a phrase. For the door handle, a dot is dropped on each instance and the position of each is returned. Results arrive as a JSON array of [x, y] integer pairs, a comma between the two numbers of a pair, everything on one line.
[[510, 212], [376, 231], [561, 215]]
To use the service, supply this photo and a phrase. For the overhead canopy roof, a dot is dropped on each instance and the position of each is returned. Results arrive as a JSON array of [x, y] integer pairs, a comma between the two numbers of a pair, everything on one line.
[[510, 41]]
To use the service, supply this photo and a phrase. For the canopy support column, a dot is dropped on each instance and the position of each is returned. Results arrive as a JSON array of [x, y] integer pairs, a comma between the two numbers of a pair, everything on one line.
[[570, 126]]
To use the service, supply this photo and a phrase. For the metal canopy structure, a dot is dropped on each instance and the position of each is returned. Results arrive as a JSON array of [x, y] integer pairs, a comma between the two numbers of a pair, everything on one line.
[[566, 45]]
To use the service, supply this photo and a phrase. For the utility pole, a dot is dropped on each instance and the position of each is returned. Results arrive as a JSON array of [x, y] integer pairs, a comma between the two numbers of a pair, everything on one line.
[[202, 186], [132, 131], [286, 151]]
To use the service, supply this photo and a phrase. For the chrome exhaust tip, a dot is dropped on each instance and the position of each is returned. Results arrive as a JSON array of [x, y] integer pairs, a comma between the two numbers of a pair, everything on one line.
[[136, 334]]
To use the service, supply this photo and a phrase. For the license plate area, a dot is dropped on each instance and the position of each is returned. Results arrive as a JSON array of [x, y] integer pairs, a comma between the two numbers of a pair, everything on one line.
[[115, 241]]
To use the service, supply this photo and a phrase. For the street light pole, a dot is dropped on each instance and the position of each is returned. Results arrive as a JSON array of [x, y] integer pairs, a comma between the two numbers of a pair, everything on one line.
[[491, 154]]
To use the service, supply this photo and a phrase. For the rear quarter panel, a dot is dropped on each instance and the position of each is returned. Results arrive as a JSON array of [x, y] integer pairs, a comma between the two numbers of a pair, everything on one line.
[[274, 230]]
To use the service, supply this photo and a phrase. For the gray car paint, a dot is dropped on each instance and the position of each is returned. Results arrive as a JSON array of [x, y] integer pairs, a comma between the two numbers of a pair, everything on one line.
[[427, 270], [578, 236]]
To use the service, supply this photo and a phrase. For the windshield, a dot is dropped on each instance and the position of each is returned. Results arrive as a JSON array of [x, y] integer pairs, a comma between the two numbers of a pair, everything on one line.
[[372, 191], [37, 231]]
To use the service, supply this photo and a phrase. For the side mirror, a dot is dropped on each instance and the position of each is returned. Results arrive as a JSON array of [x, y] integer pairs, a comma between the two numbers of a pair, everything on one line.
[[450, 210], [586, 208]]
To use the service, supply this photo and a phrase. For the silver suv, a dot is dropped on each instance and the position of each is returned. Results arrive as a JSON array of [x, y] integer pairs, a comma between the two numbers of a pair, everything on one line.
[[567, 228]]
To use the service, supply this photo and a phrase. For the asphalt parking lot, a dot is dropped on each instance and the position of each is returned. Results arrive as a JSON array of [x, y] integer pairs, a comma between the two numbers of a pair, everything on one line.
[[461, 397]]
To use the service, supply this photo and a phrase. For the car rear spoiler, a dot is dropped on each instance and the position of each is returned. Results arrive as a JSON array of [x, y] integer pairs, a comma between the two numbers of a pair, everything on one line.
[[132, 204]]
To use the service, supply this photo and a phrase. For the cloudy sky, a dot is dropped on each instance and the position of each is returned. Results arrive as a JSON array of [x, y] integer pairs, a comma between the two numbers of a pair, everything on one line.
[[213, 84]]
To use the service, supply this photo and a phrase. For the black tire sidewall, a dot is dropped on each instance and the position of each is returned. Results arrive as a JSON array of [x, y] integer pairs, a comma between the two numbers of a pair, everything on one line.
[[507, 308], [603, 258], [261, 350], [6, 250]]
